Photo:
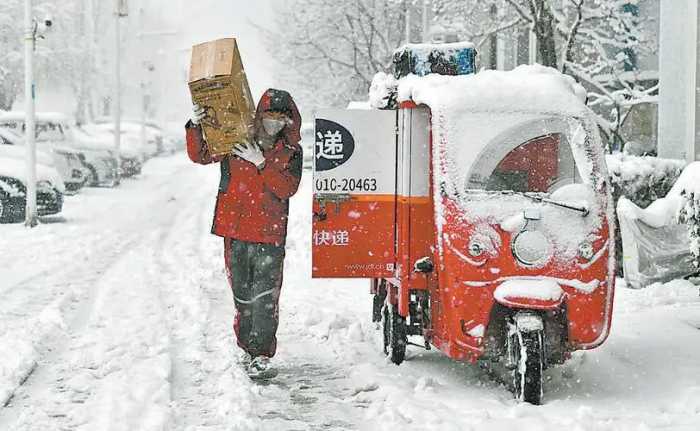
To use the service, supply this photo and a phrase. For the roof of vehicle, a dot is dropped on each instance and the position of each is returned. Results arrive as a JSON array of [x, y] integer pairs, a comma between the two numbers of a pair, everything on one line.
[[527, 88], [356, 104], [128, 123], [489, 113], [14, 168]]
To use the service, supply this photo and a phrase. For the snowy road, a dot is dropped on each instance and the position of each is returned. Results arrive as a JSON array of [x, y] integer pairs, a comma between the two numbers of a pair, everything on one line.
[[117, 316]]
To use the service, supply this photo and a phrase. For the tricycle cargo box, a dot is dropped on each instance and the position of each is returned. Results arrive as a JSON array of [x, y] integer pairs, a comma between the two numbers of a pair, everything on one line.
[[218, 83]]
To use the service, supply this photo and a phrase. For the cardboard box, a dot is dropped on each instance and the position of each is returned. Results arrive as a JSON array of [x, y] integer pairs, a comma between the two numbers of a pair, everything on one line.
[[218, 83]]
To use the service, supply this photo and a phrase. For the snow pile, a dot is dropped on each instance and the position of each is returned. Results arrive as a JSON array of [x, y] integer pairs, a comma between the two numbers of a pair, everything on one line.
[[19, 346], [528, 88], [542, 290], [382, 92]]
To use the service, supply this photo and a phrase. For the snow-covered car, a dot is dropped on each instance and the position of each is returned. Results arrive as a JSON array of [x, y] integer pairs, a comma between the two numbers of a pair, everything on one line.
[[64, 159], [55, 130], [131, 130], [13, 190], [19, 152], [132, 155]]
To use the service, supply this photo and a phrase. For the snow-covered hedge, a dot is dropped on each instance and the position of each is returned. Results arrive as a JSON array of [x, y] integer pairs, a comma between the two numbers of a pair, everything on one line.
[[642, 180], [689, 183], [690, 215]]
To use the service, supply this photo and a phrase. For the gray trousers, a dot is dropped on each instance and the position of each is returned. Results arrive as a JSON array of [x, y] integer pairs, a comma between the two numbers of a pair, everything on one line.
[[255, 275]]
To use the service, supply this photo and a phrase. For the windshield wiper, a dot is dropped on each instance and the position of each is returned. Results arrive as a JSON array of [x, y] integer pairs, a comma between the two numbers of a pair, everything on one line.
[[538, 198]]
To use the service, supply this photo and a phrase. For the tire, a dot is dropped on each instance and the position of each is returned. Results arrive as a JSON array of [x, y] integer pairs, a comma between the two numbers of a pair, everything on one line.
[[10, 213], [395, 338], [527, 373], [378, 300]]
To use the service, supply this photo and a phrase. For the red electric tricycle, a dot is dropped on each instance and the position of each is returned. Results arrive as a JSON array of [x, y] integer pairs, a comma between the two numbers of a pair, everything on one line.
[[482, 219]]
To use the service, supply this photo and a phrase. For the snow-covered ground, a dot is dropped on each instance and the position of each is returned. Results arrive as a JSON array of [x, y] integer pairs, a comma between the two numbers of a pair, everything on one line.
[[117, 316]]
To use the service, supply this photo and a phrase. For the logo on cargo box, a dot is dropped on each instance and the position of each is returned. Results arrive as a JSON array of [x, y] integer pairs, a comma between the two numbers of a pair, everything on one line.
[[334, 145]]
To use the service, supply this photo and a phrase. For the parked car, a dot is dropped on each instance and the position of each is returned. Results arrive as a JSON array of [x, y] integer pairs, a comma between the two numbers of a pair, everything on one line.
[[132, 130], [65, 160], [13, 190], [55, 130], [131, 154]]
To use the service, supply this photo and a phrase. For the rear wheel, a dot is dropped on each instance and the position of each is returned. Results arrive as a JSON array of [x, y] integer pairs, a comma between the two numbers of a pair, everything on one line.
[[395, 338], [527, 358], [378, 300]]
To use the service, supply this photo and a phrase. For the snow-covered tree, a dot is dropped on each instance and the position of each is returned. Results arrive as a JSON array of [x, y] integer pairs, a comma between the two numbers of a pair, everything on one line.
[[329, 51], [11, 56], [339, 46], [64, 57], [596, 41]]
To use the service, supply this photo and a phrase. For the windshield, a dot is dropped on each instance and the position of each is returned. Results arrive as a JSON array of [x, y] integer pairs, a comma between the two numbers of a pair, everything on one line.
[[48, 131], [541, 165], [45, 130]]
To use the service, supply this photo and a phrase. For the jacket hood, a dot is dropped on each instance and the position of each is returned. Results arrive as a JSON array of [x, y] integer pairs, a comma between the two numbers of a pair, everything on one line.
[[280, 101]]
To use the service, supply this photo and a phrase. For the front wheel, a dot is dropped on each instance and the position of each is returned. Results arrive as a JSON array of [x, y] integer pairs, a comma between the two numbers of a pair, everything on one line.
[[395, 334], [526, 351]]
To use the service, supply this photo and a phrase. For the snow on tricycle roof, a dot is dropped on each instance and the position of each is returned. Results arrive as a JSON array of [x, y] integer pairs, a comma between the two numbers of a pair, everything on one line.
[[492, 112], [527, 88]]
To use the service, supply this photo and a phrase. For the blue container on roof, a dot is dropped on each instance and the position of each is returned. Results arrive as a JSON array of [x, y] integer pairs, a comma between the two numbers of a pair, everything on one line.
[[443, 59]]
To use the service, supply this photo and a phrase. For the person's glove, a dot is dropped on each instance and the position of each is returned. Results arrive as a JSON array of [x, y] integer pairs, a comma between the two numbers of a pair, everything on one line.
[[251, 153], [198, 114]]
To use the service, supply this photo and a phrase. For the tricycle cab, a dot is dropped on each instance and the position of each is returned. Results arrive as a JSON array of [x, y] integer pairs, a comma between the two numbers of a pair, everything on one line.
[[495, 237], [523, 226]]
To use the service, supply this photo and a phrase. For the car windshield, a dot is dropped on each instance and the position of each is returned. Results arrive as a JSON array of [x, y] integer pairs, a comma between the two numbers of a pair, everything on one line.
[[45, 130], [540, 165], [49, 131]]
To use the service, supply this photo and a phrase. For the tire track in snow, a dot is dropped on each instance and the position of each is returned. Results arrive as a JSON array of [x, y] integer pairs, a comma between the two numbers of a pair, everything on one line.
[[209, 390], [47, 386]]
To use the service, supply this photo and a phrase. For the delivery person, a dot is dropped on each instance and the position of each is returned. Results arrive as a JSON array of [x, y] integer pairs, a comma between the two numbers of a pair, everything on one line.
[[252, 206]]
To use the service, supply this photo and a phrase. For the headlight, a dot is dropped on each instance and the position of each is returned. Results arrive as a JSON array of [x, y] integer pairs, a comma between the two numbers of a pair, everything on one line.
[[476, 249], [585, 250], [531, 248]]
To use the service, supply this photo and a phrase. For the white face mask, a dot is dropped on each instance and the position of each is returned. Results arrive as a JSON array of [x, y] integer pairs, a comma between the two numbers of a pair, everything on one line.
[[273, 126]]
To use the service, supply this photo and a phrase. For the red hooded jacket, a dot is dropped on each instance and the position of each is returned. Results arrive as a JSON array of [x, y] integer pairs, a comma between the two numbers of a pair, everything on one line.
[[253, 205]]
